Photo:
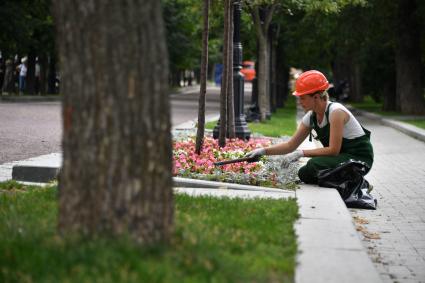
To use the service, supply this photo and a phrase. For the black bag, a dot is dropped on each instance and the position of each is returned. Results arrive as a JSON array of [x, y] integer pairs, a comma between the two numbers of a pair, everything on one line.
[[348, 179]]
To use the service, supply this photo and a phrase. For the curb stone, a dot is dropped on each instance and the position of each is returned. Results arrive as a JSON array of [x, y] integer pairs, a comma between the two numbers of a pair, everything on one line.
[[31, 98], [329, 249]]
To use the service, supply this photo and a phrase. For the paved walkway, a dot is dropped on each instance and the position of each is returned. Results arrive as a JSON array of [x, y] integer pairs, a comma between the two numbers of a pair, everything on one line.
[[394, 234]]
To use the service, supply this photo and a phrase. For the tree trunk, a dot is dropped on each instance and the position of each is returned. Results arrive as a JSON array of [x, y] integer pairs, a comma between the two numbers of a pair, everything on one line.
[[262, 77], [203, 81], [30, 88], [262, 16], [116, 174], [389, 95], [408, 60], [43, 74], [230, 93], [51, 75], [224, 80], [273, 71], [355, 81], [8, 82]]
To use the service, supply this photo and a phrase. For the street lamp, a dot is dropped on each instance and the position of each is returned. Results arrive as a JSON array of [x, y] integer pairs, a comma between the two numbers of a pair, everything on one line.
[[241, 127]]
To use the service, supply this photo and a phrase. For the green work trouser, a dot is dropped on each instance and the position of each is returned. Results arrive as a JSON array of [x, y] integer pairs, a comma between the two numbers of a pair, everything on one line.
[[308, 173]]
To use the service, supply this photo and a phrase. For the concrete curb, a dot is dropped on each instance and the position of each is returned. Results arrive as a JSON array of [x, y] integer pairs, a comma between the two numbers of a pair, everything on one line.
[[31, 98], [34, 174], [195, 183], [45, 174], [329, 249], [410, 130]]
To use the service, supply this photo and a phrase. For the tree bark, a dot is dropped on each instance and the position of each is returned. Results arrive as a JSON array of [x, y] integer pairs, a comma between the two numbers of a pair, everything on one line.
[[8, 82], [356, 94], [51, 75], [224, 80], [43, 73], [203, 81], [230, 93], [262, 27], [262, 78], [408, 60], [116, 174], [30, 88]]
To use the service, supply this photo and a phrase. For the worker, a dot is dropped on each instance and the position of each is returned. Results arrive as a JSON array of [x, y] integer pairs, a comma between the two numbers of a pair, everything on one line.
[[342, 136]]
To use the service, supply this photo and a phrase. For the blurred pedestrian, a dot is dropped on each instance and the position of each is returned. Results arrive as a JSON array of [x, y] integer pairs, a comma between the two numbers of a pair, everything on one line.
[[37, 77], [22, 68]]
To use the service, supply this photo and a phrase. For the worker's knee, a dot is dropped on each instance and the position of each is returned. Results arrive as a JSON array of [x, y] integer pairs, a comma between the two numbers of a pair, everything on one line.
[[308, 174]]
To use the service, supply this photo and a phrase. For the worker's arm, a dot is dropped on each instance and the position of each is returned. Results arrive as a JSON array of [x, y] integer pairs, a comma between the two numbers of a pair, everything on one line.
[[284, 147], [289, 146], [337, 120]]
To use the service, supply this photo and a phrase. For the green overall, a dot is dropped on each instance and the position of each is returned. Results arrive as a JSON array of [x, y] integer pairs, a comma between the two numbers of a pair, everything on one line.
[[358, 148]]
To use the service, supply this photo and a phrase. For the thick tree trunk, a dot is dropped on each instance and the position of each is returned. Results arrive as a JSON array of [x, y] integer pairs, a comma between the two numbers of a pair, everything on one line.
[[116, 174], [203, 80], [408, 60]]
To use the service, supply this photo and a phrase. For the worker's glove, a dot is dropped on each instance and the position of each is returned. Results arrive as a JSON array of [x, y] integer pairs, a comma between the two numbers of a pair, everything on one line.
[[291, 157], [256, 153]]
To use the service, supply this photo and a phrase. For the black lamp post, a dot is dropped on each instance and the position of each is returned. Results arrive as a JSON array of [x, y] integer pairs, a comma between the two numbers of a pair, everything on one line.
[[241, 128]]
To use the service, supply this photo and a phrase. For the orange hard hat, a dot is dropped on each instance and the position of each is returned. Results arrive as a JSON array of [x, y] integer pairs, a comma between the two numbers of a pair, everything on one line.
[[310, 82]]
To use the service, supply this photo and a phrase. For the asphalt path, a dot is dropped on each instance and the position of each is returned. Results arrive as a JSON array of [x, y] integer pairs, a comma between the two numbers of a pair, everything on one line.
[[29, 129]]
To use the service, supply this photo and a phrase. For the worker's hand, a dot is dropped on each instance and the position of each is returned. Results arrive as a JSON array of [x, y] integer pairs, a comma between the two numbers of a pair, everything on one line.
[[258, 152], [292, 157]]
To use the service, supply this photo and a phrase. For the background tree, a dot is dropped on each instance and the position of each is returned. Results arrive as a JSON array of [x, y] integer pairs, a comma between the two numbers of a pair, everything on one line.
[[409, 88], [116, 174], [183, 21], [203, 88], [27, 30], [230, 94], [261, 24], [223, 130]]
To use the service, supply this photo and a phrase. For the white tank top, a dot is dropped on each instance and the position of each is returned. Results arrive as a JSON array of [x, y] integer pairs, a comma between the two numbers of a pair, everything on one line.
[[352, 128]]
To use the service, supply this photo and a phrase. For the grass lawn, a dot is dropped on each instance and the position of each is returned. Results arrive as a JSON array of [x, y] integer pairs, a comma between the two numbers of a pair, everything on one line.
[[215, 240], [418, 123], [282, 122], [370, 105]]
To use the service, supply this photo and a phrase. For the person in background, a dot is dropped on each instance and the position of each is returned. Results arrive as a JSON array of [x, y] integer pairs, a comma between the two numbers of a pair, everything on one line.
[[22, 68], [342, 136], [37, 77]]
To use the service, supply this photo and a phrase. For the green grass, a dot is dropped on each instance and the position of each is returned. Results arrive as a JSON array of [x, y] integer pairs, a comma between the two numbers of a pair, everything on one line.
[[282, 122], [417, 122], [215, 240], [371, 106]]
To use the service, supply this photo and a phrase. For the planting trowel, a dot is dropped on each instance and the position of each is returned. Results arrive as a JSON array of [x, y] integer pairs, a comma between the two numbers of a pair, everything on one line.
[[230, 161]]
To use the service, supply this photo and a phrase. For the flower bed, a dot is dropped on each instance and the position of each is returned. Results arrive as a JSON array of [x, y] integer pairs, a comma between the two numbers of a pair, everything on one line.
[[266, 172]]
